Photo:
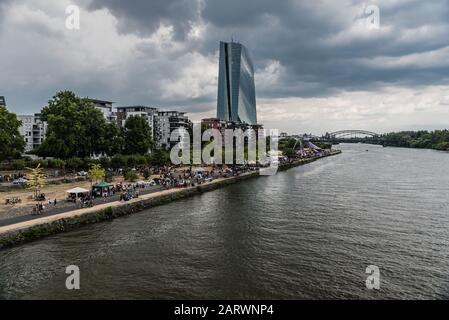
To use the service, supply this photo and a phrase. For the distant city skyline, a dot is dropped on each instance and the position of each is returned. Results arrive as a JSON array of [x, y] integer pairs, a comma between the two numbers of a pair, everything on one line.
[[317, 66]]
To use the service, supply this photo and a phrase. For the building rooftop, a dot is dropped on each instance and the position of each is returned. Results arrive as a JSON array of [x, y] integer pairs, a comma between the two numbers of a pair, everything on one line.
[[136, 106], [100, 101]]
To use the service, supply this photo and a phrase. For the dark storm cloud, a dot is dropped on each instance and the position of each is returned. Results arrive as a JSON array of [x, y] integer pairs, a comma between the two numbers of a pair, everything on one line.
[[319, 48], [144, 17], [303, 37]]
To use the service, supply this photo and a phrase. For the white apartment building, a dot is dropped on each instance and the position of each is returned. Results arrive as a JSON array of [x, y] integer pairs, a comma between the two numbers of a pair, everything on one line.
[[149, 113], [33, 130], [166, 122], [106, 108]]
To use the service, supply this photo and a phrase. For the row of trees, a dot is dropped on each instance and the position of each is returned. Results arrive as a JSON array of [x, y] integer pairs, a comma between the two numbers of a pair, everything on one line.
[[76, 128], [157, 157], [438, 139]]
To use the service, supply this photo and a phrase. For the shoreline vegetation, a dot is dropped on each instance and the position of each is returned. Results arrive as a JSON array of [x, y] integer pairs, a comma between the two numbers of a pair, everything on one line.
[[41, 227], [435, 140]]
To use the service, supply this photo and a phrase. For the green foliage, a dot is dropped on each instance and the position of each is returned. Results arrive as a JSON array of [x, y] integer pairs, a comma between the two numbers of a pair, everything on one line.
[[74, 163], [75, 127], [131, 176], [96, 173], [41, 163], [287, 146], [18, 164], [160, 157], [288, 152], [11, 142], [36, 179], [105, 162], [438, 139], [118, 161], [130, 161], [113, 140], [137, 136], [57, 163], [140, 160]]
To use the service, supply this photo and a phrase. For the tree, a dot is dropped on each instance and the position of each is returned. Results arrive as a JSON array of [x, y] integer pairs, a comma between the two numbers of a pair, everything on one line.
[[18, 164], [160, 157], [74, 163], [57, 163], [118, 161], [137, 136], [113, 139], [76, 128], [131, 176], [96, 173], [36, 179], [11, 142]]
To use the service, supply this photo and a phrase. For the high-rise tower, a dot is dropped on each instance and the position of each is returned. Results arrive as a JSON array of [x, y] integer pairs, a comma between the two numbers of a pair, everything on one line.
[[236, 91]]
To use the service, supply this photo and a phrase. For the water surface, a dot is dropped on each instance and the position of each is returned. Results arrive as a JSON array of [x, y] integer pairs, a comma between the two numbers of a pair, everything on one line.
[[309, 232]]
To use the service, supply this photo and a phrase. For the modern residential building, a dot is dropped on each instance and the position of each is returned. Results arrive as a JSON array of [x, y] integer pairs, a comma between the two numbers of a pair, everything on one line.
[[214, 123], [149, 113], [165, 123], [106, 108], [236, 91], [33, 129], [2, 101], [222, 125]]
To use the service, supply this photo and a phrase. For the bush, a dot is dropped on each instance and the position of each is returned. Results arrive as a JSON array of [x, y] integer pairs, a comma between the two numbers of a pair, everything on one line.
[[140, 160], [105, 162], [42, 163], [131, 161], [57, 163], [18, 165], [131, 176], [160, 157], [118, 161], [88, 162], [74, 163]]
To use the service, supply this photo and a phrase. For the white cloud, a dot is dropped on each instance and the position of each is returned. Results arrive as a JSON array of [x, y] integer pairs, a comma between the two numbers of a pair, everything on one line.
[[386, 110]]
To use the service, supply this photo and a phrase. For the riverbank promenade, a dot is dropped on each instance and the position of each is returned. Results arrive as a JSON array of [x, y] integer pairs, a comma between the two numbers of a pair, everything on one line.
[[32, 228]]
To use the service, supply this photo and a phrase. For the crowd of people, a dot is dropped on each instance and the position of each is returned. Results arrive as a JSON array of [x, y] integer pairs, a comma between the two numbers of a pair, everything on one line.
[[182, 178], [165, 177], [10, 177]]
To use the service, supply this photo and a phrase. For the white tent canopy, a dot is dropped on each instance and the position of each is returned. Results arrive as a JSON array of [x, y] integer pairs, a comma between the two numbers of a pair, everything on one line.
[[77, 190]]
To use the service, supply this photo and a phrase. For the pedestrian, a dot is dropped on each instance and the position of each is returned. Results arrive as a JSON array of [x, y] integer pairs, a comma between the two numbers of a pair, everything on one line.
[[55, 202]]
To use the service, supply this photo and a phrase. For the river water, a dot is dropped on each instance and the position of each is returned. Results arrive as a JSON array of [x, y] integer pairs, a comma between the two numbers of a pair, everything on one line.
[[309, 232]]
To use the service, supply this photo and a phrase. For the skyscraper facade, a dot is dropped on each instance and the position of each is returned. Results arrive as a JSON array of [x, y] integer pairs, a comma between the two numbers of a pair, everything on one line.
[[236, 90]]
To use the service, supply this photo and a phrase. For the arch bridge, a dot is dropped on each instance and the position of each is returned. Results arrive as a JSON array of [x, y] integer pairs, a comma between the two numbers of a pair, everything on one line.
[[351, 134]]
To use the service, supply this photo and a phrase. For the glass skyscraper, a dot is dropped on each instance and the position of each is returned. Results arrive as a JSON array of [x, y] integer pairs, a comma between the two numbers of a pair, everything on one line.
[[236, 91]]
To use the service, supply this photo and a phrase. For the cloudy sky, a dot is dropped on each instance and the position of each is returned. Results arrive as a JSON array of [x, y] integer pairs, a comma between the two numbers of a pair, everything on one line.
[[319, 65]]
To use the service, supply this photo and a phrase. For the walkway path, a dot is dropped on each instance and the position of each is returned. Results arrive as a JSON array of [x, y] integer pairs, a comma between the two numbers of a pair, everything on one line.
[[54, 211]]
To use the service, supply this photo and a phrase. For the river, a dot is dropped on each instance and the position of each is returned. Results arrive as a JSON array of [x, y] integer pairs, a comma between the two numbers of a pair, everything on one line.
[[306, 233]]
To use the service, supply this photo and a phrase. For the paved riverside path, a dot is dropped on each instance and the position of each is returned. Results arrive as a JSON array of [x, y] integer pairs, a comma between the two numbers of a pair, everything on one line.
[[102, 205], [51, 211]]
